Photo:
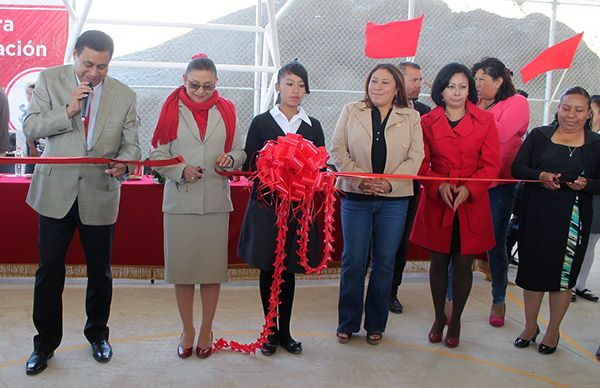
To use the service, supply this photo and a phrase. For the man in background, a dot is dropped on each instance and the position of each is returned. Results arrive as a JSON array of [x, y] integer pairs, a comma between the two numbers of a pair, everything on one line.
[[413, 79]]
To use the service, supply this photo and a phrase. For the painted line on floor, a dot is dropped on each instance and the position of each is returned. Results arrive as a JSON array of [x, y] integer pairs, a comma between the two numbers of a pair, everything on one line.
[[387, 342], [70, 348], [480, 361], [585, 352]]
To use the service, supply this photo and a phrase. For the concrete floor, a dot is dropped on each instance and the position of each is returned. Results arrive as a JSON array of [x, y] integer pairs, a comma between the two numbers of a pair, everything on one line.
[[145, 331]]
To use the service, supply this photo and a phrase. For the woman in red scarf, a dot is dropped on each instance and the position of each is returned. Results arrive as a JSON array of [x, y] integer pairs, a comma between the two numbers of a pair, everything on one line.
[[198, 124]]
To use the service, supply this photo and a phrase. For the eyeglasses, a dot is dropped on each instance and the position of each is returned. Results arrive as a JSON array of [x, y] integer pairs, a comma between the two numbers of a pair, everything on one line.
[[206, 87]]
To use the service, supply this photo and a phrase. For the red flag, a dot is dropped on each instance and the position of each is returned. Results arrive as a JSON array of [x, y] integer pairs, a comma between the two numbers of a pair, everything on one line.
[[394, 39], [559, 56]]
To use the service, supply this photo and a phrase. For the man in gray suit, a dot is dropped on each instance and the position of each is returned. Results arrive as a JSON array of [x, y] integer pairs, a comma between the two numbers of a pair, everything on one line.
[[82, 197]]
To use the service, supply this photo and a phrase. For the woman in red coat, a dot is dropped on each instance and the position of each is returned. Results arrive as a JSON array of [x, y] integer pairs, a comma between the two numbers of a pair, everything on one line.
[[454, 220]]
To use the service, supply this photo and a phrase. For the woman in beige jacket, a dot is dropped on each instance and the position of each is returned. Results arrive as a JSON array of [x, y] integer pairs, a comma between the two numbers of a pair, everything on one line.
[[198, 124], [376, 135]]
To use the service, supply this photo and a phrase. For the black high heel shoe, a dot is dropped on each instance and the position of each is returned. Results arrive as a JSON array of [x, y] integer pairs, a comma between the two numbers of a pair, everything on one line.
[[545, 349], [523, 343]]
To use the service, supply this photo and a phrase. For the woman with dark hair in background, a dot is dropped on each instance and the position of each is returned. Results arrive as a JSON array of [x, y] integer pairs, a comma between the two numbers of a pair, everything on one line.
[[198, 124], [555, 216], [379, 134], [498, 95], [453, 220], [258, 236], [595, 113]]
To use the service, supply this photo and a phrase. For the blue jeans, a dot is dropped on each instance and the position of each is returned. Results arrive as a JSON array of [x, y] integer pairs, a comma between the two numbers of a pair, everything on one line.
[[502, 201], [378, 224]]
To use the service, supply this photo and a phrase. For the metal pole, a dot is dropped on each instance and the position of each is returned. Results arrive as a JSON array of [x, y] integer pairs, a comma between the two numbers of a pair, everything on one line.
[[266, 87], [272, 34], [264, 78], [548, 90], [257, 42], [69, 8], [411, 15], [272, 42], [76, 31], [558, 84]]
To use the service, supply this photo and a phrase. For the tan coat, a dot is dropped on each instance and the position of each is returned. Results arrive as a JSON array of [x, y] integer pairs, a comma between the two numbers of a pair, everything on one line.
[[352, 141], [211, 193], [54, 188]]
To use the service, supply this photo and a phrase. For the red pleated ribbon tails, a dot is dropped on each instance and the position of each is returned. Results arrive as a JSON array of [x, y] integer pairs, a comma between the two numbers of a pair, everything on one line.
[[290, 169]]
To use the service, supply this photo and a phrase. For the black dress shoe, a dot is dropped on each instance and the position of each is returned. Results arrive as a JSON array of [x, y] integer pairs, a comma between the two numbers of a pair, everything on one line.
[[102, 351], [269, 348], [37, 362], [545, 349], [523, 343], [292, 346], [598, 353], [587, 295], [395, 305]]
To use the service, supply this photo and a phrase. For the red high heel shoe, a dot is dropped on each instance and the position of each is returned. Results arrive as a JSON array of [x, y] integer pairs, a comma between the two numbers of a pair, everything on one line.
[[434, 337], [205, 353], [184, 352], [452, 342], [498, 321]]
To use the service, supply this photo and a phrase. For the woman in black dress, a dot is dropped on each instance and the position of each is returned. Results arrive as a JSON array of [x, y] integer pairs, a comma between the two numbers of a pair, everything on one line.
[[258, 235], [555, 215]]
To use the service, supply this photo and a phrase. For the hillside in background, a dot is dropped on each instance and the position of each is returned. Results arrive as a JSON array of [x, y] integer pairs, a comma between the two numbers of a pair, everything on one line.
[[328, 38]]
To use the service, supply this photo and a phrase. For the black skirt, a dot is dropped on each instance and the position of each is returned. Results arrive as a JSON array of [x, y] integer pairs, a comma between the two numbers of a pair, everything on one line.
[[258, 239]]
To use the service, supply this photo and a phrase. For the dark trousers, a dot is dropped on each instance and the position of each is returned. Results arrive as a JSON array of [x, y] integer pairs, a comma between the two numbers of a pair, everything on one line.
[[54, 238], [400, 262]]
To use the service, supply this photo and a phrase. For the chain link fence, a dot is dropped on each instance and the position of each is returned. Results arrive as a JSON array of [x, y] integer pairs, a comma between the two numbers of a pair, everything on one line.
[[328, 38]]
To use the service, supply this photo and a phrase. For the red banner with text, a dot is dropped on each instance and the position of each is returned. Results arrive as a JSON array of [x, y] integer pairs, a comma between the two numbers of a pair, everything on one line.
[[32, 37]]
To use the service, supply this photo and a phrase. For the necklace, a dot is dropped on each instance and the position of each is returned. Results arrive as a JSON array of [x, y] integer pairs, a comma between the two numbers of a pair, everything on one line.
[[571, 151]]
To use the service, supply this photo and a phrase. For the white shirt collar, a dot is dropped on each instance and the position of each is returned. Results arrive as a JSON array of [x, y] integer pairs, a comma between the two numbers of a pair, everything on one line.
[[301, 115]]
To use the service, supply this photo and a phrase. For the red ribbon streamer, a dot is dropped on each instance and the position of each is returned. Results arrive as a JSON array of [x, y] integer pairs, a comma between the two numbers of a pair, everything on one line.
[[88, 160], [289, 169]]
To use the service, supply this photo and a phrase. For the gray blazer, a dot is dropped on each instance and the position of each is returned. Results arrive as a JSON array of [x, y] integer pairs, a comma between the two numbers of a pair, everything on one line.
[[54, 188], [211, 193]]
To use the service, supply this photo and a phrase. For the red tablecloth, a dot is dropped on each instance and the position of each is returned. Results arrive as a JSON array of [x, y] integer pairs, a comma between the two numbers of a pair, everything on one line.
[[138, 232]]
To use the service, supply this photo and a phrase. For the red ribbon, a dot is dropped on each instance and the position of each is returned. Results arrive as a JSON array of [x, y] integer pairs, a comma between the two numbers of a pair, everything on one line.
[[402, 176], [87, 160], [289, 168], [432, 178]]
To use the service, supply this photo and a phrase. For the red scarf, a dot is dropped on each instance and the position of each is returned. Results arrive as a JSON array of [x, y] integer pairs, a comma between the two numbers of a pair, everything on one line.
[[168, 121]]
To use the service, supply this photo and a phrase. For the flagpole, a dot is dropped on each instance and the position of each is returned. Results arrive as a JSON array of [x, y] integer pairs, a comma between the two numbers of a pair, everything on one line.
[[558, 85], [411, 15]]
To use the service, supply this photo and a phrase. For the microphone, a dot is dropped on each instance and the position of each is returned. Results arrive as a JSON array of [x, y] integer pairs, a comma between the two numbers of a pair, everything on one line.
[[86, 101]]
